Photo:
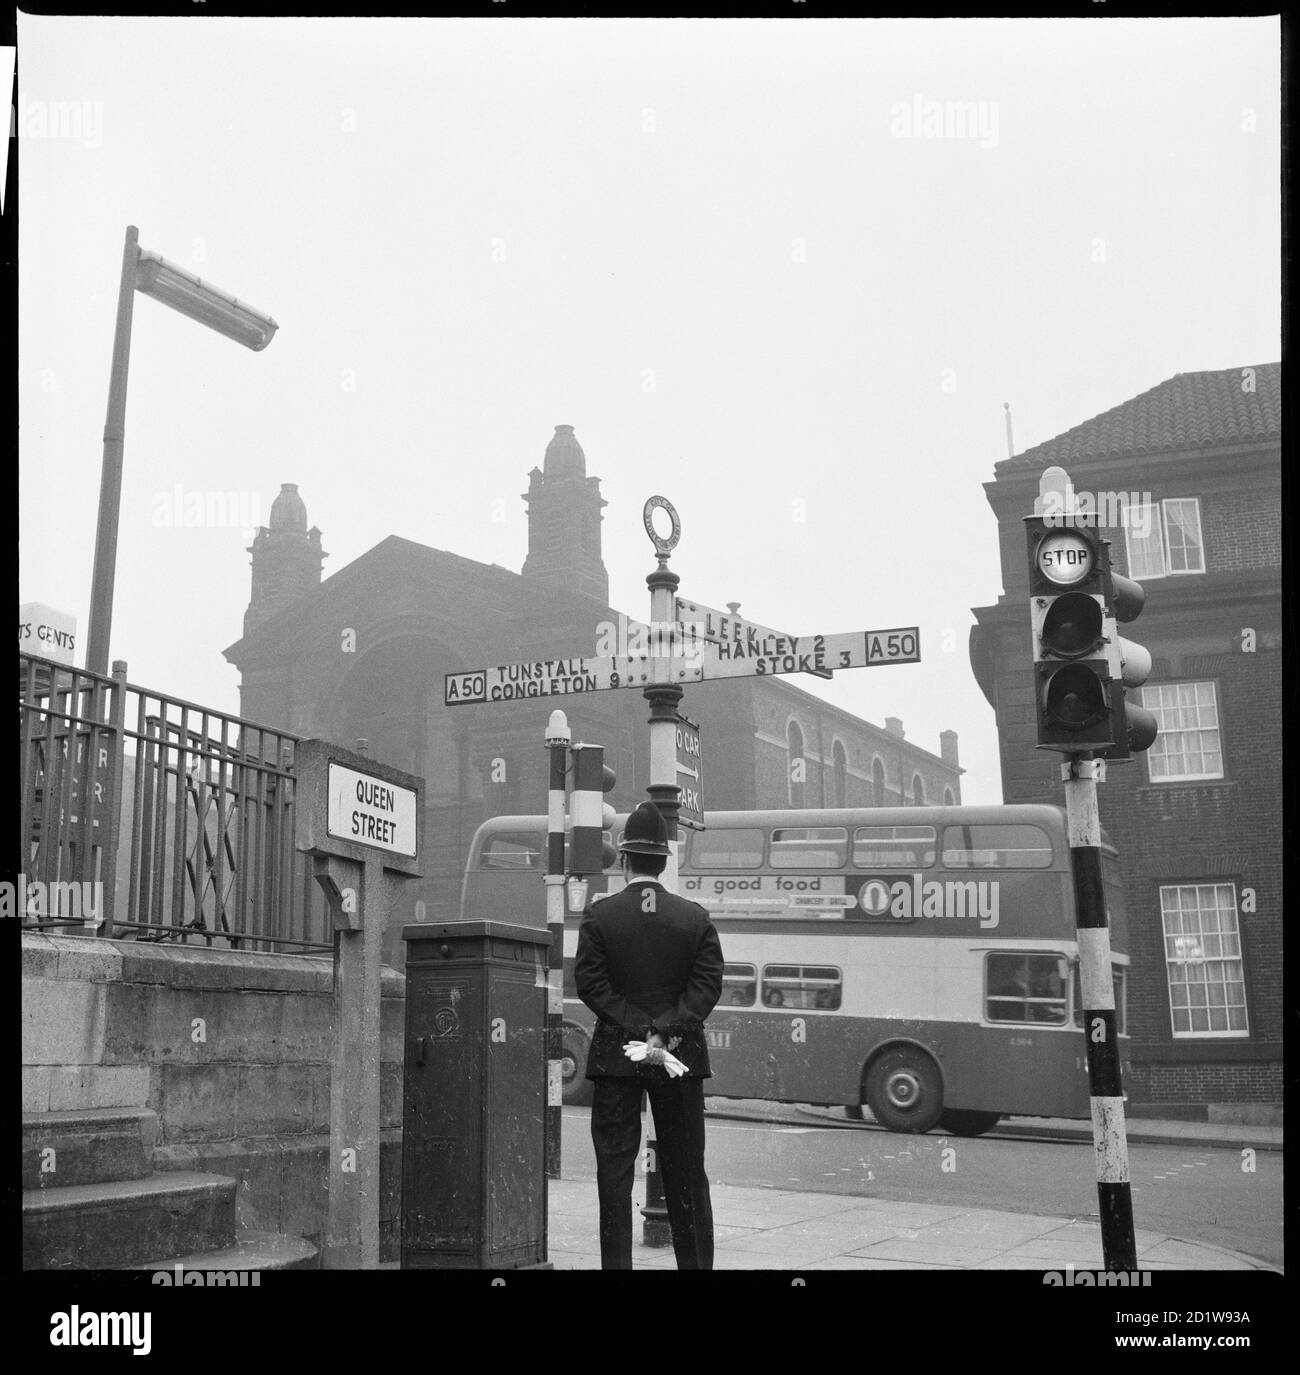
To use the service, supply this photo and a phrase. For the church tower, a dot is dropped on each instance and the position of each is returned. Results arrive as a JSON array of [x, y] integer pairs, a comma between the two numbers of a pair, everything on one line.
[[287, 559], [564, 506]]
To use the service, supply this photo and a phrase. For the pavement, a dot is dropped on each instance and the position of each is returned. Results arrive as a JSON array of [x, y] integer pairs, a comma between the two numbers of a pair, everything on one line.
[[781, 1229]]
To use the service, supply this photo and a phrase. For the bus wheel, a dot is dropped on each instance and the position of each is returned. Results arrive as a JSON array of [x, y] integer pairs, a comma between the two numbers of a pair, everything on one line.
[[964, 1123], [904, 1091], [573, 1067]]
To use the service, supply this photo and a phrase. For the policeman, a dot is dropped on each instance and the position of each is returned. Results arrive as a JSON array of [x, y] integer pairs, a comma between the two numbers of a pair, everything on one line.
[[649, 965]]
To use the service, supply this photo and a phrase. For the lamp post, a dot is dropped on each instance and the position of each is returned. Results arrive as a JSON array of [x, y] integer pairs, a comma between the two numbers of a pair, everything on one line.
[[153, 276]]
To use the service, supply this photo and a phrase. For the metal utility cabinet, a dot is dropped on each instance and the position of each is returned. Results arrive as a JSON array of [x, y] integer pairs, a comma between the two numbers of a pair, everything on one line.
[[474, 1097]]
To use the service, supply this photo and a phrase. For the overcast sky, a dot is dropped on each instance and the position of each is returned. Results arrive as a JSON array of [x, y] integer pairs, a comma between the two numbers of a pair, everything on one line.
[[723, 250]]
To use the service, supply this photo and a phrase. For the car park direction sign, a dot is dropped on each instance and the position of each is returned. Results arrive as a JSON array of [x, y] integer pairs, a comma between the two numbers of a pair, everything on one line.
[[728, 659], [690, 775]]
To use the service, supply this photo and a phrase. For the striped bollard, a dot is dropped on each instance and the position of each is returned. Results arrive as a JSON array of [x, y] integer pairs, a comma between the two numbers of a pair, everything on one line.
[[557, 742], [1110, 1140]]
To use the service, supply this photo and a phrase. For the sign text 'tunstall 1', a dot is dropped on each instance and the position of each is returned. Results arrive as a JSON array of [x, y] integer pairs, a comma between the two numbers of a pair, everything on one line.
[[788, 654]]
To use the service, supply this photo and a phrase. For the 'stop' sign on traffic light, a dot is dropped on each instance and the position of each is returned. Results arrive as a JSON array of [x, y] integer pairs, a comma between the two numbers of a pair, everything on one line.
[[1081, 665]]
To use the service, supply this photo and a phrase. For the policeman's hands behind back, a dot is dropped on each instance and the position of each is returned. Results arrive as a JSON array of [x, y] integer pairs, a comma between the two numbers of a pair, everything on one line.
[[646, 1053]]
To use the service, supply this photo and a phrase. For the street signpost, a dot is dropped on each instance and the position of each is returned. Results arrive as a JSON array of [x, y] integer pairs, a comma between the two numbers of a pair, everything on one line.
[[729, 648], [732, 659]]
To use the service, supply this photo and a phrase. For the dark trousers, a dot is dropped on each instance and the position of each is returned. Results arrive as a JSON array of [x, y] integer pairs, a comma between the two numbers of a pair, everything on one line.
[[678, 1107]]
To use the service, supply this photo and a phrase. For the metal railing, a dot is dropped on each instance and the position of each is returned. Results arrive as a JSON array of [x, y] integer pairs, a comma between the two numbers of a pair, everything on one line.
[[168, 820]]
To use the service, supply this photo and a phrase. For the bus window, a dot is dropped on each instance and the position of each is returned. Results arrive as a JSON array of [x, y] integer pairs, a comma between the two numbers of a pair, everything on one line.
[[511, 850], [1118, 982], [808, 847], [721, 848], [894, 847], [996, 847], [1026, 988], [739, 985], [806, 987]]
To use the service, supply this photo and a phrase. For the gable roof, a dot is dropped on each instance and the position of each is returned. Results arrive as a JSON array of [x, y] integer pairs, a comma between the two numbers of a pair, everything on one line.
[[405, 556], [1191, 410]]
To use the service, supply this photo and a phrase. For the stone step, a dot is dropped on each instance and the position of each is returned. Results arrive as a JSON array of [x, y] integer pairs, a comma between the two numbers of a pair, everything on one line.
[[252, 1251], [87, 1146], [110, 1225]]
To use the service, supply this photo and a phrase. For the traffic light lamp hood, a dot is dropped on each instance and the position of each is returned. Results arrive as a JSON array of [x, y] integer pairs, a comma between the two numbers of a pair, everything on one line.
[[1127, 598]]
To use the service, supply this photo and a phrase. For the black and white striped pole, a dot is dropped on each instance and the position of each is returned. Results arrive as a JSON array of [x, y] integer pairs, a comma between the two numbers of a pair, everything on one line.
[[1109, 1137], [557, 742]]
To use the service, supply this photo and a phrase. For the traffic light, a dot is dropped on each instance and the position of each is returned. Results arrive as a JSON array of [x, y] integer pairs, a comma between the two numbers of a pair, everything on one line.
[[1081, 664], [1068, 615], [592, 848]]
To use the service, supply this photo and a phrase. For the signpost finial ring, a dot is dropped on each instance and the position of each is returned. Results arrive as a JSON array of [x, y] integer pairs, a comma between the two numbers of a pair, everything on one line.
[[663, 547]]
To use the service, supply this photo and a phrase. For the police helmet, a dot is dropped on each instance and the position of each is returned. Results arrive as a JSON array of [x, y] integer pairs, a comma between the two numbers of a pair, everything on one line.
[[646, 833]]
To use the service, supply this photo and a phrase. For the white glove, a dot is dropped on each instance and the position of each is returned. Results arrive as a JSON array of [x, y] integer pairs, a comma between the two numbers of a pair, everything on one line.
[[642, 1052]]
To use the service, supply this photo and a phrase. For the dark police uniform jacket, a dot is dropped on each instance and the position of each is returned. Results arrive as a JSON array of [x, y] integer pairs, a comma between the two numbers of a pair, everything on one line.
[[640, 970]]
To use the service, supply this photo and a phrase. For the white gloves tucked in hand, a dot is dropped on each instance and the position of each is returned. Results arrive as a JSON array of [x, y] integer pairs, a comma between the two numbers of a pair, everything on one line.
[[643, 1053]]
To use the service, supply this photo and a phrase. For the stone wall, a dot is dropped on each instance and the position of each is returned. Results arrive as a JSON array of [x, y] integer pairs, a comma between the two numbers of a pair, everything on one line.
[[231, 1050]]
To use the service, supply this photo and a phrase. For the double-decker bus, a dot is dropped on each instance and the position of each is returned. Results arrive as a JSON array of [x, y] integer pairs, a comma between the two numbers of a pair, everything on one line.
[[920, 961]]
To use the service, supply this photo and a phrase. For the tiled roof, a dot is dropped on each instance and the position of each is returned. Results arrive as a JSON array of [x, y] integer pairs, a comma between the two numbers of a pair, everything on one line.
[[1191, 410]]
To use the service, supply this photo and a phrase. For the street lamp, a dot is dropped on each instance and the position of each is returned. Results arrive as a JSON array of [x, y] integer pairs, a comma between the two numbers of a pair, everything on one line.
[[202, 301], [154, 276]]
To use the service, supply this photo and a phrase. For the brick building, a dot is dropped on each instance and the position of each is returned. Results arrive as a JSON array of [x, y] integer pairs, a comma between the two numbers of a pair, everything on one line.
[[1190, 474], [362, 655]]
